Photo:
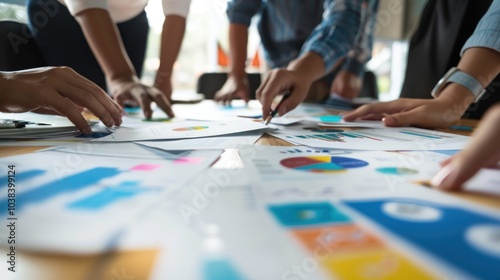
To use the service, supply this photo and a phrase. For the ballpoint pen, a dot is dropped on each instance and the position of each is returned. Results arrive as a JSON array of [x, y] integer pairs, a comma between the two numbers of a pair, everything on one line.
[[275, 111]]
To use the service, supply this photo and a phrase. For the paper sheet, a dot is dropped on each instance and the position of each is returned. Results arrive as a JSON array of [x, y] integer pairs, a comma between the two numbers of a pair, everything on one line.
[[39, 126], [182, 130], [117, 150], [346, 234], [70, 202], [207, 143], [375, 139], [347, 217]]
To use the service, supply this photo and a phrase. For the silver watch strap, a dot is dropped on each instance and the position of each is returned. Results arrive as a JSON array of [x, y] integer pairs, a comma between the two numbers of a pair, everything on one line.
[[468, 82]]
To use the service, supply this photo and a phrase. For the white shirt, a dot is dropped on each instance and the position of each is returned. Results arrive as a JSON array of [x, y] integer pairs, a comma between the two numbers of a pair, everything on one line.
[[123, 10]]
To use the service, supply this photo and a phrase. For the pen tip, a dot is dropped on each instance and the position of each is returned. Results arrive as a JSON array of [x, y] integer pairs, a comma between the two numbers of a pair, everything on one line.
[[268, 120]]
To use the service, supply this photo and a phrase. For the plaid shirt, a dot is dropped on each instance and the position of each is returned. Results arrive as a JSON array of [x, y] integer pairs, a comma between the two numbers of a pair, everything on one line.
[[333, 29]]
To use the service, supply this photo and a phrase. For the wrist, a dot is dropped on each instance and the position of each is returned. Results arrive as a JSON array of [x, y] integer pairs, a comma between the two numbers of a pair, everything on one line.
[[238, 73], [308, 67], [163, 77], [125, 78], [456, 96]]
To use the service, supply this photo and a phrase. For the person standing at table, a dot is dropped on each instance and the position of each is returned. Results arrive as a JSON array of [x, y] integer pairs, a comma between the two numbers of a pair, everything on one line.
[[105, 41], [462, 86], [338, 32]]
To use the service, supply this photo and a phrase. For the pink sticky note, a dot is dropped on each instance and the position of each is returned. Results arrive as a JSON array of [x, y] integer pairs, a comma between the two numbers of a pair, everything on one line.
[[188, 160], [146, 167]]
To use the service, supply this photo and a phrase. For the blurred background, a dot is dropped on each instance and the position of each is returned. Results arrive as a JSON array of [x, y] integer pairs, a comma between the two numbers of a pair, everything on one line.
[[205, 45]]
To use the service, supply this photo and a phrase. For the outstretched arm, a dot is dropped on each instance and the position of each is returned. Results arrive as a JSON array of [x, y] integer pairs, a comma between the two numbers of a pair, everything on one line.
[[481, 63], [106, 44], [237, 84], [328, 44], [483, 151], [174, 27], [56, 90], [240, 13], [480, 59]]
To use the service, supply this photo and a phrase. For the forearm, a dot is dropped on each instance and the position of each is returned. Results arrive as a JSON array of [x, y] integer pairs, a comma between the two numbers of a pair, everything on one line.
[[482, 64], [238, 39], [174, 27], [310, 66], [106, 43], [3, 94]]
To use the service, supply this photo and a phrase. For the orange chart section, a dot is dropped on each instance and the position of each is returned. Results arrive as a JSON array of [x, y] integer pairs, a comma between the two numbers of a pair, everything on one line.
[[338, 239]]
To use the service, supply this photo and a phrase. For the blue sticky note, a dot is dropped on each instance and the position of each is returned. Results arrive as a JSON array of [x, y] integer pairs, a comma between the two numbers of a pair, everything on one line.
[[307, 214], [330, 118], [132, 110]]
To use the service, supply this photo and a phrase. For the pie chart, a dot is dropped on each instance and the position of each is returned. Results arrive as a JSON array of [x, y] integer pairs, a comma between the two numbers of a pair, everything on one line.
[[322, 164], [190, 128]]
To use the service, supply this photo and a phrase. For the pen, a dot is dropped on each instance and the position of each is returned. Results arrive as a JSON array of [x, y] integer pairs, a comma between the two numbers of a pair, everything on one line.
[[11, 124], [275, 111]]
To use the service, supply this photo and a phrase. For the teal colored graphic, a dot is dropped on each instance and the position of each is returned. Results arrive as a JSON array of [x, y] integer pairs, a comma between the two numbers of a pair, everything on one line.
[[307, 214]]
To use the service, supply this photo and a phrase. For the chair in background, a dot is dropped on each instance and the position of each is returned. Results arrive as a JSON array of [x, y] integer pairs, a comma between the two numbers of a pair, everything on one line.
[[18, 50], [370, 88], [210, 83]]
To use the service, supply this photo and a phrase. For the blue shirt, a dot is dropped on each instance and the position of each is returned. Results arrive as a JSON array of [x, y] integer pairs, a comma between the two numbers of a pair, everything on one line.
[[333, 29], [487, 33]]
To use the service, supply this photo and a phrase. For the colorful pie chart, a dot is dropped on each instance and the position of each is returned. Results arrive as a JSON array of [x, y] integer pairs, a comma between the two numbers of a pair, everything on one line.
[[322, 164], [190, 128]]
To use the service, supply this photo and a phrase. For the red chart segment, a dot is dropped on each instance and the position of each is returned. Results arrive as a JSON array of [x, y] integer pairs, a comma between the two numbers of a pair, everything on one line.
[[323, 164]]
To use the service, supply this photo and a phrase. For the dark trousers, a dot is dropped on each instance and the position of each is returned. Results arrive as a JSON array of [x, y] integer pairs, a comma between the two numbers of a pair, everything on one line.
[[62, 43], [444, 27]]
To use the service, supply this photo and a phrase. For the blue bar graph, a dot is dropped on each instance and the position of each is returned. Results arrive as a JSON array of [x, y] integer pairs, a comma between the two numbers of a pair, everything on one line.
[[447, 152], [421, 134], [71, 183], [108, 196], [20, 177]]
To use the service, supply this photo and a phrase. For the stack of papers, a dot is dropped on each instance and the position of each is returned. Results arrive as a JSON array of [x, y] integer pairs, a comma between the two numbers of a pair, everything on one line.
[[31, 125]]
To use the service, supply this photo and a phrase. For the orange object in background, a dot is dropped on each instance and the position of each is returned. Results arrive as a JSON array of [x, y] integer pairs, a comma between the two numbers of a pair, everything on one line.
[[222, 57], [256, 59]]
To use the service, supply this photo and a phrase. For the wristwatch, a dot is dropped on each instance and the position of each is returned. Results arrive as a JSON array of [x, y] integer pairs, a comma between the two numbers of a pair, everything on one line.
[[455, 75]]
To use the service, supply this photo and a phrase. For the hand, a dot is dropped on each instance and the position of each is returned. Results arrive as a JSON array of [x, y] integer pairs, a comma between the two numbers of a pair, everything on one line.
[[482, 151], [164, 84], [57, 90], [235, 86], [428, 113], [132, 90], [346, 84], [278, 82]]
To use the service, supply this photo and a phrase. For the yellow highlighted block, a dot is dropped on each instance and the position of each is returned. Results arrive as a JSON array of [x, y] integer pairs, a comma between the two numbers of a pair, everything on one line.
[[378, 264]]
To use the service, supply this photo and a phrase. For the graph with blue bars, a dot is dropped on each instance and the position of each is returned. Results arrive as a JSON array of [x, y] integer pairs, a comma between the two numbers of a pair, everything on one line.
[[74, 183]]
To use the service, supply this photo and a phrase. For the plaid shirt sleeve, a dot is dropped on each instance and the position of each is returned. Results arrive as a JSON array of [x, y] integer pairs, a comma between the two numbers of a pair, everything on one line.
[[362, 49], [242, 11], [487, 33], [334, 37]]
